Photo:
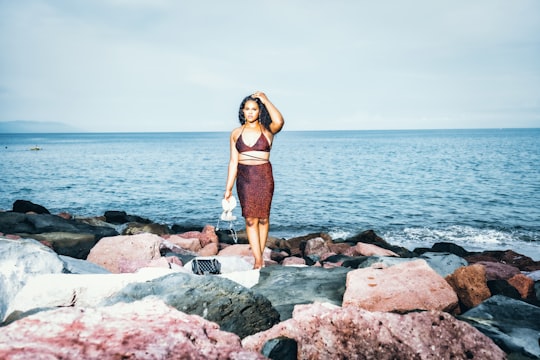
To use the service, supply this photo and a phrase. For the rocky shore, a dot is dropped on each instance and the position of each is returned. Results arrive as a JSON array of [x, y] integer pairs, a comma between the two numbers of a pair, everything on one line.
[[119, 286]]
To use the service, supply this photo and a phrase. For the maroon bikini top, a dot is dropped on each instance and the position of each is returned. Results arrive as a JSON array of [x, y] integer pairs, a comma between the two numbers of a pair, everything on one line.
[[261, 144]]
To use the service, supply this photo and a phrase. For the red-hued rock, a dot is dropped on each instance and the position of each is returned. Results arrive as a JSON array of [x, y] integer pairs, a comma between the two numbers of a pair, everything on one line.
[[190, 234], [297, 245], [369, 250], [125, 253], [17, 237], [65, 215], [244, 251], [324, 331], [167, 262], [470, 285], [210, 249], [146, 329], [236, 250], [509, 257], [498, 271], [293, 260], [191, 244], [208, 236], [339, 248], [317, 246], [330, 265], [523, 284], [400, 288]]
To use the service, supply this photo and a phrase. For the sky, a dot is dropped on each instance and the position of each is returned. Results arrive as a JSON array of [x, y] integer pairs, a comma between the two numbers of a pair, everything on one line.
[[185, 65]]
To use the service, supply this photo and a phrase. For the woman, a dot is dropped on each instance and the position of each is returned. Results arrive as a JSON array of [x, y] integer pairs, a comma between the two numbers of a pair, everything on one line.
[[250, 167]]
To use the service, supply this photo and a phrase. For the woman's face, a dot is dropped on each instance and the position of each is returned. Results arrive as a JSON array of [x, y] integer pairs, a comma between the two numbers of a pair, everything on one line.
[[251, 111]]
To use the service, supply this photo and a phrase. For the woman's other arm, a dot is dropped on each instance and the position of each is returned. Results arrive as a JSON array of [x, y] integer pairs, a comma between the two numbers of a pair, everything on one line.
[[233, 166]]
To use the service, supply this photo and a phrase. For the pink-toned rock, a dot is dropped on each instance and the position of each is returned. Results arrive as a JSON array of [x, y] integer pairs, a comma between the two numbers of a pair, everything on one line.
[[125, 253], [470, 285], [339, 248], [146, 329], [317, 246], [293, 260], [508, 257], [65, 215], [523, 284], [295, 244], [236, 250], [132, 265], [325, 256], [191, 244], [210, 249], [190, 234], [165, 262], [404, 287], [15, 237], [499, 271], [244, 251], [325, 331], [208, 236], [330, 265], [369, 250]]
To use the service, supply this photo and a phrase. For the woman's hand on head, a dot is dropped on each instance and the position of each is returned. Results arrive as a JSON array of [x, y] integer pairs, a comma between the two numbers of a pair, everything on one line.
[[260, 95]]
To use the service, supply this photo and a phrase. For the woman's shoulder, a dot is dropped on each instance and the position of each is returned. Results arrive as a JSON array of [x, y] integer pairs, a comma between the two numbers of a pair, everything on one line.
[[235, 133]]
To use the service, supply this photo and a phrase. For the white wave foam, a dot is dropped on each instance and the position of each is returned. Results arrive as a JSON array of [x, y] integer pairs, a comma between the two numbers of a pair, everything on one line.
[[468, 237], [339, 234]]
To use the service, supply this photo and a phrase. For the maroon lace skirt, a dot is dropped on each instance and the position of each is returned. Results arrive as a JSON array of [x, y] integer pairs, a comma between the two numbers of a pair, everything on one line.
[[255, 188]]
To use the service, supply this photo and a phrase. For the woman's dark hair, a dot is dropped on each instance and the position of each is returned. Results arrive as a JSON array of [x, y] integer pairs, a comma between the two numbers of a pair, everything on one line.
[[264, 116]]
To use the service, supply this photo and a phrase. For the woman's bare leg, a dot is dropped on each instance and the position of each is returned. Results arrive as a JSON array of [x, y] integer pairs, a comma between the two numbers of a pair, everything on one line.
[[252, 231], [264, 226]]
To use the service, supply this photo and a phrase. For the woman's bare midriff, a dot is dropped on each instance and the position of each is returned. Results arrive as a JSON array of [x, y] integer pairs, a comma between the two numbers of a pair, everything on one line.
[[253, 158]]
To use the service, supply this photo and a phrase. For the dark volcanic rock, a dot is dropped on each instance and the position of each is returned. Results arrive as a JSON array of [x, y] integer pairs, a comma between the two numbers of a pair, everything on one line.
[[17, 223], [66, 236], [121, 217], [24, 206], [235, 308], [449, 248], [502, 287], [281, 348]]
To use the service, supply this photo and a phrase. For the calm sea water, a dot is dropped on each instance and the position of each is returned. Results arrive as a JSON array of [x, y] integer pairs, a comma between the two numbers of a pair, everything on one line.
[[477, 188]]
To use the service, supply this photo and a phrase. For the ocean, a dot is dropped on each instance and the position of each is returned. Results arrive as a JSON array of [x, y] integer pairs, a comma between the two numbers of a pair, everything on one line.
[[477, 188]]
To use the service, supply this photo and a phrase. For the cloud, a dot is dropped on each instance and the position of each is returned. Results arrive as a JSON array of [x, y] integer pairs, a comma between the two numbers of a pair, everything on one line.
[[169, 65]]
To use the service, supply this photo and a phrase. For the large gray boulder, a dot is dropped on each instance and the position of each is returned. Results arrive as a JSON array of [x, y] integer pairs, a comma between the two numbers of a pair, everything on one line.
[[78, 266], [287, 286], [21, 260], [82, 289], [443, 263], [235, 308], [512, 324]]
